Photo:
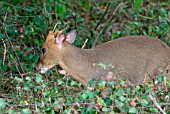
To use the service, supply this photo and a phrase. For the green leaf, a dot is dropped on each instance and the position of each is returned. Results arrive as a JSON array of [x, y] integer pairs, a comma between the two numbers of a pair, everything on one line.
[[161, 70], [168, 84], [91, 111], [2, 103], [36, 41], [69, 99], [25, 111], [67, 111], [10, 29], [163, 12], [27, 88], [152, 14], [114, 35], [120, 104], [56, 102], [91, 83], [128, 91], [165, 26], [38, 78], [137, 4], [122, 98], [83, 96], [101, 84], [12, 57], [138, 88], [84, 4], [168, 93], [60, 82], [10, 111], [60, 9], [2, 36], [100, 101], [52, 112], [28, 78], [143, 102], [132, 110], [102, 65], [161, 79], [115, 109], [73, 83], [154, 109], [48, 108], [90, 94], [30, 8], [43, 85], [120, 92], [111, 83], [38, 20], [104, 109], [57, 61], [125, 109]]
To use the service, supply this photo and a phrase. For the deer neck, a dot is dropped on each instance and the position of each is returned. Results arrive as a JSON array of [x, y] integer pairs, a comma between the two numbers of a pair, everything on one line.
[[77, 62]]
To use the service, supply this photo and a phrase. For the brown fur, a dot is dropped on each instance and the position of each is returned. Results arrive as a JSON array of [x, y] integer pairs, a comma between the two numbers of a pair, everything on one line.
[[139, 57]]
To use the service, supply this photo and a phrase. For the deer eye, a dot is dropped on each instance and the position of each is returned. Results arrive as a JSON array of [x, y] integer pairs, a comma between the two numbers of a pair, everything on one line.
[[43, 50]]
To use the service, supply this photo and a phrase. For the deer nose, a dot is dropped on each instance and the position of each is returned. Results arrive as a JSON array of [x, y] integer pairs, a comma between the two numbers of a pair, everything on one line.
[[36, 65]]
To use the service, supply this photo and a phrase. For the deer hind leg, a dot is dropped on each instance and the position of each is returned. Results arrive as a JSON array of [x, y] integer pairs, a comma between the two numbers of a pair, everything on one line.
[[152, 71], [167, 72]]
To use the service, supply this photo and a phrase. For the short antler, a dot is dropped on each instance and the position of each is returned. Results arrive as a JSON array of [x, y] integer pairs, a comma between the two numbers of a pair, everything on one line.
[[65, 26], [55, 27], [56, 31]]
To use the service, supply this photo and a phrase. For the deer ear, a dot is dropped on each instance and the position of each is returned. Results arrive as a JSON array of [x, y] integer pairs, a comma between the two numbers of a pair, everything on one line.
[[71, 36], [60, 39]]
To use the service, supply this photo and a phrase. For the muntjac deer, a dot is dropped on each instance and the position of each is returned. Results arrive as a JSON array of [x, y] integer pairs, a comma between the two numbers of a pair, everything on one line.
[[138, 57]]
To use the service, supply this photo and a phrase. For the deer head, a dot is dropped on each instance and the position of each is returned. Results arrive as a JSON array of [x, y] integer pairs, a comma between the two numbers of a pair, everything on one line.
[[51, 51]]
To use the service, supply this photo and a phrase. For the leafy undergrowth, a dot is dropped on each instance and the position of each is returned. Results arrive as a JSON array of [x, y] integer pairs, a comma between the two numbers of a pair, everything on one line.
[[24, 27], [35, 95]]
